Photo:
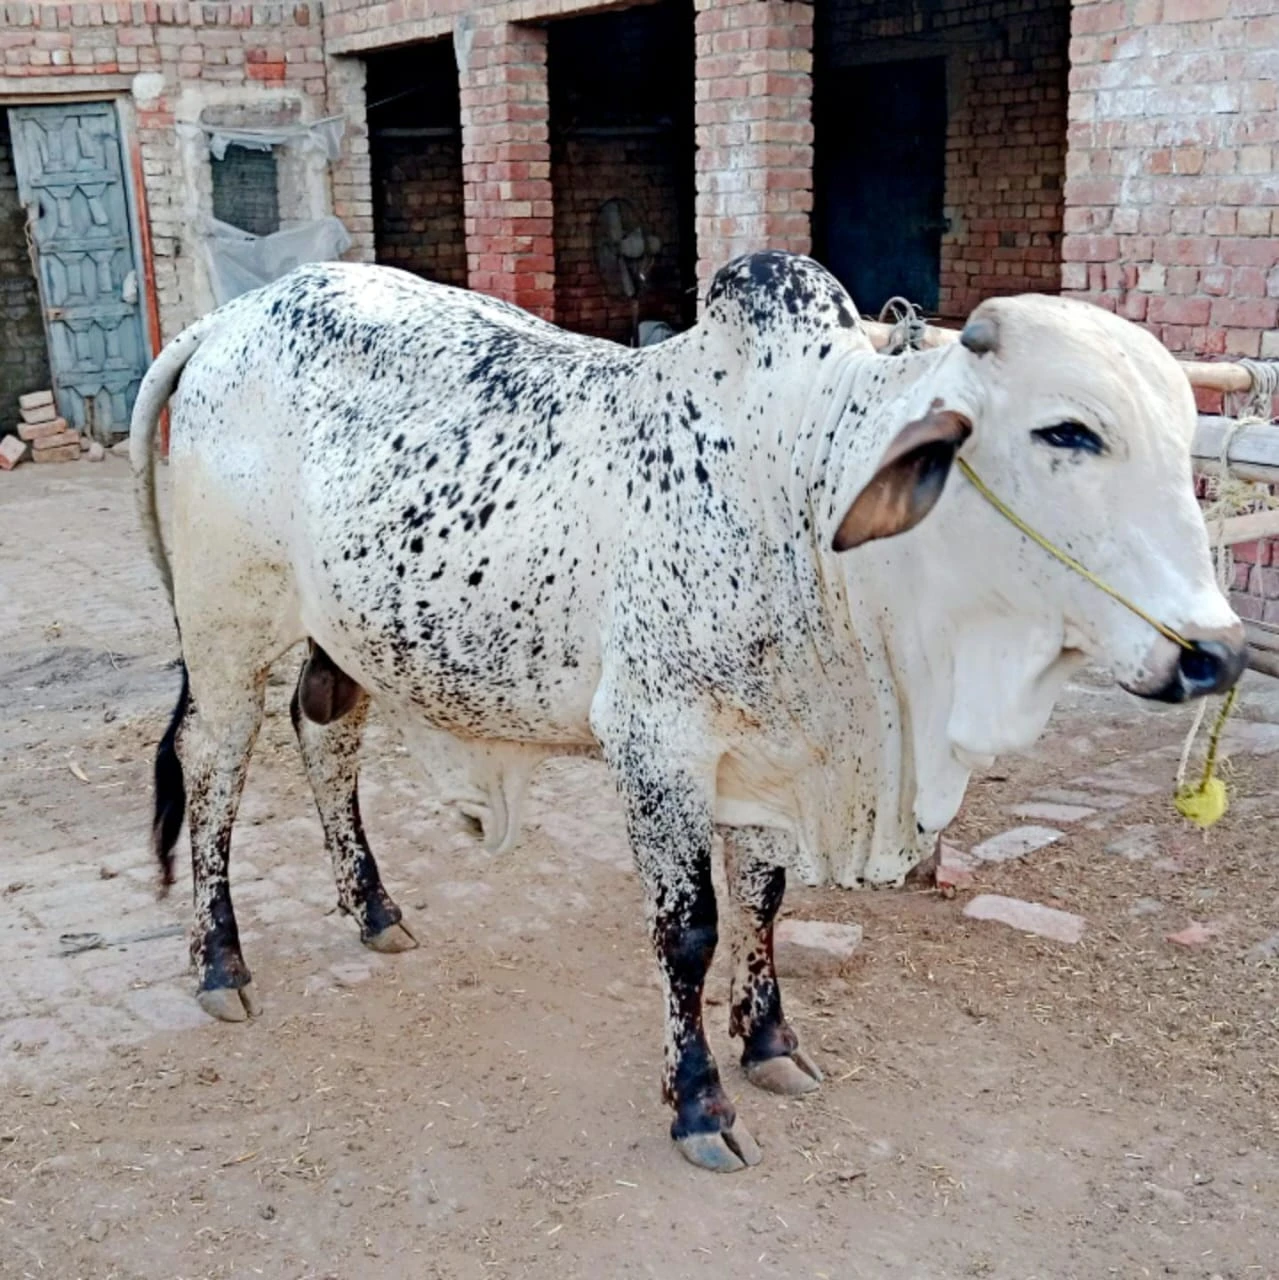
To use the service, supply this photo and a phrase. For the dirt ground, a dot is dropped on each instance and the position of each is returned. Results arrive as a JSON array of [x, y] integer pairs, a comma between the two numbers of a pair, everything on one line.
[[996, 1105]]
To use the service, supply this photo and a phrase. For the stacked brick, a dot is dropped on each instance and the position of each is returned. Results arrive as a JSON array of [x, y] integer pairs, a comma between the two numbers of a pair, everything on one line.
[[587, 172], [46, 435], [1256, 585], [1172, 212]]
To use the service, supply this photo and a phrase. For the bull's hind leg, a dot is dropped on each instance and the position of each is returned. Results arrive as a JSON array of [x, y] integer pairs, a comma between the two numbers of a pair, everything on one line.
[[771, 1056], [329, 710], [214, 742]]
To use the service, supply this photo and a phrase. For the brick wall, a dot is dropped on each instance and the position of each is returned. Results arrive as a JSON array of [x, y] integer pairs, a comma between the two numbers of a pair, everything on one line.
[[1172, 192], [417, 206], [1256, 593], [24, 365], [185, 56], [350, 176], [1006, 130]]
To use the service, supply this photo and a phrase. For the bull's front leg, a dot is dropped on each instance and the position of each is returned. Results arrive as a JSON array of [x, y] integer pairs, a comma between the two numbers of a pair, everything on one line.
[[771, 1056], [669, 820]]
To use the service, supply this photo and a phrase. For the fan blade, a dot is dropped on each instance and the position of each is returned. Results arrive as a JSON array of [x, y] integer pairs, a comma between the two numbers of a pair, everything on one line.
[[611, 217]]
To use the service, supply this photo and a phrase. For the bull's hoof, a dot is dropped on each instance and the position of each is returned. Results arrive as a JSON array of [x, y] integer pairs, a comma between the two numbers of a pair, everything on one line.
[[230, 1004], [394, 938], [725, 1152], [790, 1074]]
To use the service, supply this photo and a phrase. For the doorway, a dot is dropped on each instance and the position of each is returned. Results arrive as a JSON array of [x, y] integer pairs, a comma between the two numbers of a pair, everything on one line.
[[621, 86], [415, 158], [71, 183], [879, 179]]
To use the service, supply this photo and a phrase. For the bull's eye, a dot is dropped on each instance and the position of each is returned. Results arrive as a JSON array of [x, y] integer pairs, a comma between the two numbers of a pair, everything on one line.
[[1071, 435]]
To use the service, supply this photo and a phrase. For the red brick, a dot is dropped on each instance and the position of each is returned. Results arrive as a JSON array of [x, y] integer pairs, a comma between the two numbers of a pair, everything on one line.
[[1245, 313], [63, 453], [56, 441], [1258, 553], [29, 431], [12, 452]]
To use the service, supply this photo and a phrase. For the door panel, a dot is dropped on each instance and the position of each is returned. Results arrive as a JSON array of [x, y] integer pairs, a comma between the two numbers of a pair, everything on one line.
[[71, 181], [880, 178]]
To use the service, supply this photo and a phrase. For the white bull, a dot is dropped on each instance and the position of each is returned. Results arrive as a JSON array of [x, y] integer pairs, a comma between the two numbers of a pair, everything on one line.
[[538, 543]]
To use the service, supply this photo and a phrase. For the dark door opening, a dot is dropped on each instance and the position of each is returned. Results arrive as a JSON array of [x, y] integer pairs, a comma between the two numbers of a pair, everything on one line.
[[622, 170], [880, 179], [415, 159]]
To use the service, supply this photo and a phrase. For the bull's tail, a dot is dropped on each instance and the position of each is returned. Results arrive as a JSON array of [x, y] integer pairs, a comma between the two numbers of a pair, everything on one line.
[[158, 385], [170, 789]]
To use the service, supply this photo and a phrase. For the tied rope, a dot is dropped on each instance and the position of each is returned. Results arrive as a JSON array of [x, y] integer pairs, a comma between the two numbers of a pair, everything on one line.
[[907, 333], [1204, 803]]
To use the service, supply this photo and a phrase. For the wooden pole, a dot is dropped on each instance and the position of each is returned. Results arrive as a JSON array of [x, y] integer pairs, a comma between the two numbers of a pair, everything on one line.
[[1263, 647], [1222, 376], [1254, 451]]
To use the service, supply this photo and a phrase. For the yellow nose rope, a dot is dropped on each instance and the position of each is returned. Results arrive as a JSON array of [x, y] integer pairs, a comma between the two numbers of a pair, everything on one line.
[[1204, 803]]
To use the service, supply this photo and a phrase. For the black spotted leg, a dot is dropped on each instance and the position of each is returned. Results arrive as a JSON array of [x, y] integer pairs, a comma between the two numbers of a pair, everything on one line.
[[771, 1056], [669, 821], [329, 710]]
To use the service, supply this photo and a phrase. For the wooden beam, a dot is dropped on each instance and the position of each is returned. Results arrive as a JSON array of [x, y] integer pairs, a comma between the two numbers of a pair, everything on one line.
[[1257, 524], [1214, 376], [1254, 451], [1262, 635], [1264, 661]]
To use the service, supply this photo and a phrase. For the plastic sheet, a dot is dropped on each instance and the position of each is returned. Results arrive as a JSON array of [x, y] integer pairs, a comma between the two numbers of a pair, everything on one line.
[[324, 136], [239, 261]]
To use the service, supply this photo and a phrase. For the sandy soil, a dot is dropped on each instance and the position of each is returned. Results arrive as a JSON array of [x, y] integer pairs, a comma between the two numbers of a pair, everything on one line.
[[486, 1106]]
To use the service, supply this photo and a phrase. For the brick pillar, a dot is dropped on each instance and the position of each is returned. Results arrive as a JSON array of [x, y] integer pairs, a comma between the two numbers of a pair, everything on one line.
[[754, 95], [506, 163], [350, 176]]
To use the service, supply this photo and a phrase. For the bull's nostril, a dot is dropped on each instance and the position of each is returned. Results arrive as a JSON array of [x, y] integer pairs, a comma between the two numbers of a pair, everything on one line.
[[1211, 667], [1200, 666]]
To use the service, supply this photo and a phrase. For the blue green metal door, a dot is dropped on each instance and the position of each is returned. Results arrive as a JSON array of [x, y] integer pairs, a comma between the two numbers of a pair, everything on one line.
[[71, 180]]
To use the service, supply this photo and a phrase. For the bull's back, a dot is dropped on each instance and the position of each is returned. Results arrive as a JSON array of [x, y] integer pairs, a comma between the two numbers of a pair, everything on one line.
[[422, 460]]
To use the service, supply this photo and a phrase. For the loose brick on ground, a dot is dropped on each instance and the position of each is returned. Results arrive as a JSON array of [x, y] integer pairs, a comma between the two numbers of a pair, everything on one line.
[[1015, 843], [12, 451], [1029, 917], [814, 948]]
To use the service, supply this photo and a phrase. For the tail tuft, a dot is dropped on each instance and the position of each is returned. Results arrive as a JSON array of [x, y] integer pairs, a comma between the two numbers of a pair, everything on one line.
[[170, 789]]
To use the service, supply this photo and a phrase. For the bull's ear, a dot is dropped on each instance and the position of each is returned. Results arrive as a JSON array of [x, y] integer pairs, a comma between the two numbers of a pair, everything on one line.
[[909, 479]]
